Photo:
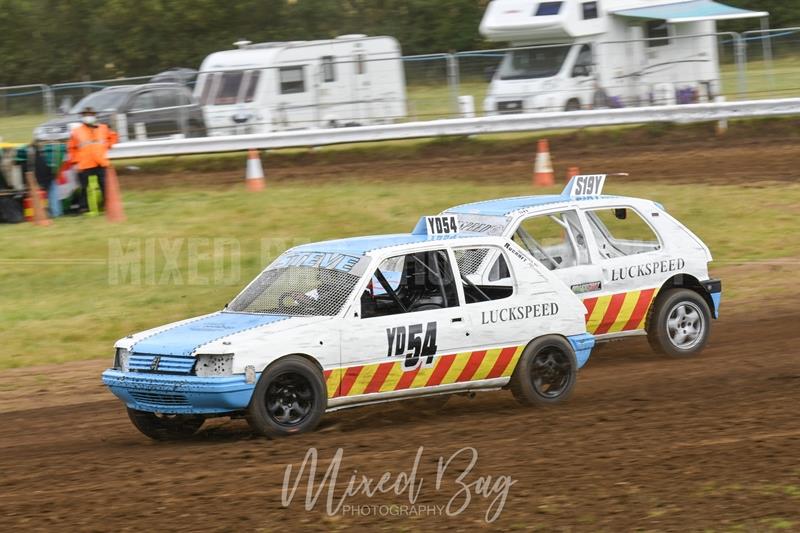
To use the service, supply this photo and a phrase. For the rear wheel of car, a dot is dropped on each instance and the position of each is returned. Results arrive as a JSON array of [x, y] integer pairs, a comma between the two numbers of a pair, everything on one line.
[[679, 323], [573, 105], [546, 372], [290, 398], [165, 427]]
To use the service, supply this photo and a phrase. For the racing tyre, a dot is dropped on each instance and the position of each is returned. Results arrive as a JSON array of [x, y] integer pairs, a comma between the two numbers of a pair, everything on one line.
[[546, 372], [165, 427], [679, 323], [290, 398]]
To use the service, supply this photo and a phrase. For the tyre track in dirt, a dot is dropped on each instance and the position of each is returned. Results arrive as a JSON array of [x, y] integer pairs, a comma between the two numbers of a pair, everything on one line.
[[646, 442]]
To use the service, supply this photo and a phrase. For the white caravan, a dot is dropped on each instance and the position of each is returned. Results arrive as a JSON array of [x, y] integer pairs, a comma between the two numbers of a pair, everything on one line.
[[346, 81], [605, 53]]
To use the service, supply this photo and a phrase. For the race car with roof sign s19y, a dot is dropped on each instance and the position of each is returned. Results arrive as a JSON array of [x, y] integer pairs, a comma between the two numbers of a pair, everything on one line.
[[638, 270]]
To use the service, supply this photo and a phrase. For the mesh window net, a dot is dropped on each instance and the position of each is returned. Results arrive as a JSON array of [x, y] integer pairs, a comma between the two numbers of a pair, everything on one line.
[[296, 291]]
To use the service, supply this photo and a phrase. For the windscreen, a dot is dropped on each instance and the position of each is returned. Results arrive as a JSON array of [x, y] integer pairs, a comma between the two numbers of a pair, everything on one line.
[[533, 63], [301, 284], [100, 101]]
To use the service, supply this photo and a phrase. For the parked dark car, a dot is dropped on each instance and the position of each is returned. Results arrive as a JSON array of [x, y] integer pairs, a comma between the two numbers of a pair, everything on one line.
[[150, 111]]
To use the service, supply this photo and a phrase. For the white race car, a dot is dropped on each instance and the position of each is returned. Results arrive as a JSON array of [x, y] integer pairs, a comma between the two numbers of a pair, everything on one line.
[[638, 270], [354, 321]]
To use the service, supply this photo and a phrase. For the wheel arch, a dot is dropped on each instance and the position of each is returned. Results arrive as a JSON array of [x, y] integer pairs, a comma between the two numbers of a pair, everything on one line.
[[305, 356], [686, 281]]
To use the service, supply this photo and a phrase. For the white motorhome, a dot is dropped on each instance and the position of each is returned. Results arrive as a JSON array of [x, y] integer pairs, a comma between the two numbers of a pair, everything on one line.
[[346, 81], [577, 54]]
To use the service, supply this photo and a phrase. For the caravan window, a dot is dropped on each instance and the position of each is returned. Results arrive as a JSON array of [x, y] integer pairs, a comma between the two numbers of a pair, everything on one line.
[[228, 87], [252, 83], [546, 9], [328, 69], [292, 80], [589, 10], [533, 63], [658, 31]]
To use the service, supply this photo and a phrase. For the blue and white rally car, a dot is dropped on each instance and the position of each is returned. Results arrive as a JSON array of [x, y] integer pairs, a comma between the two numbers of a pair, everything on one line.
[[350, 322], [637, 269]]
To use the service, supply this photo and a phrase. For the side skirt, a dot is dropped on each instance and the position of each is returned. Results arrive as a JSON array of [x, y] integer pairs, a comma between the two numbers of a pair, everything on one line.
[[344, 402]]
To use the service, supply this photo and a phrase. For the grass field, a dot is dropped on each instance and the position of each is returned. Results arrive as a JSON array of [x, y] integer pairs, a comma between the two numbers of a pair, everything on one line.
[[68, 293]]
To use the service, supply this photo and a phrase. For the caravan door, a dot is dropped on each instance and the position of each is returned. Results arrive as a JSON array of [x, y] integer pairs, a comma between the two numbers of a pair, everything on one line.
[[361, 86], [295, 107]]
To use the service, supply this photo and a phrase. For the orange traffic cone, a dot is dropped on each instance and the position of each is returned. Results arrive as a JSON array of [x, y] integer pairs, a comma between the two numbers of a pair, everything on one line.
[[572, 172], [113, 199], [255, 172], [39, 212], [543, 168]]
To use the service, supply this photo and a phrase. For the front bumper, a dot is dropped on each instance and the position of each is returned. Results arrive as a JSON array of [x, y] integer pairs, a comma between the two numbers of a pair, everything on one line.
[[171, 394], [714, 289]]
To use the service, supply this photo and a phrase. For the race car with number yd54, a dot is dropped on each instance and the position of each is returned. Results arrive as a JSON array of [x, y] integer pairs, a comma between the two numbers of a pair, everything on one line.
[[350, 322], [637, 269]]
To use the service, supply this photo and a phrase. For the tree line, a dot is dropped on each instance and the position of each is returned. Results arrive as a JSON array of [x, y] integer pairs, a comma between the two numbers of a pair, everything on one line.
[[53, 41]]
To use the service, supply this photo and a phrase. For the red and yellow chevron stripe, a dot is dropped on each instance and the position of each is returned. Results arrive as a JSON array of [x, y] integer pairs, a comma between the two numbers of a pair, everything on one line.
[[446, 369], [625, 311]]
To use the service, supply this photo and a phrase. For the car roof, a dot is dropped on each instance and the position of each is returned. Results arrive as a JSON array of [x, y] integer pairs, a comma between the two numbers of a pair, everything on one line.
[[359, 246], [508, 206], [154, 85]]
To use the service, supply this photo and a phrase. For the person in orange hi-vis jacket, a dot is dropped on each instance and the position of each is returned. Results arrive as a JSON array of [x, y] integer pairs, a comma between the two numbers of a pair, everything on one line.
[[88, 149]]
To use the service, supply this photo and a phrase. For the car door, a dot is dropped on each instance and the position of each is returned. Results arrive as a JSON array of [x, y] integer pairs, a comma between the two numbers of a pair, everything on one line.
[[407, 330], [501, 319], [633, 265], [140, 116], [166, 117]]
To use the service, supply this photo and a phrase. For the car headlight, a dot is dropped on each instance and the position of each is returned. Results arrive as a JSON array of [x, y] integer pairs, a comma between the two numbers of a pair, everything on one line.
[[210, 365], [121, 359]]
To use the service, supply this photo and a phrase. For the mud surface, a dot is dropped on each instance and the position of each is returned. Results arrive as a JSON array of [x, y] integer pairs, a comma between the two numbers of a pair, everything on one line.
[[759, 152], [646, 442]]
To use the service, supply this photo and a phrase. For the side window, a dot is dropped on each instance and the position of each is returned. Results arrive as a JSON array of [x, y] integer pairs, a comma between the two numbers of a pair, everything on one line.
[[328, 69], [589, 10], [556, 240], [409, 283], [583, 63], [546, 9], [166, 98], [621, 232], [252, 84], [143, 101], [292, 80], [184, 98], [469, 260], [658, 31]]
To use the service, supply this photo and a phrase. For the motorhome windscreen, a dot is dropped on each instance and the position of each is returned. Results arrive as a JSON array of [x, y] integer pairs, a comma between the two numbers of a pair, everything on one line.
[[532, 63]]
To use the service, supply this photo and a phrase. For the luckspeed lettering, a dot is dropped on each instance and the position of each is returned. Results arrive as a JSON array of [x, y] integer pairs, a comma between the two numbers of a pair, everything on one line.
[[521, 312], [647, 269]]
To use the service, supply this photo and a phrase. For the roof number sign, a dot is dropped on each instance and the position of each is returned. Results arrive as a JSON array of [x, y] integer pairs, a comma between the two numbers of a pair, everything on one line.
[[442, 224], [586, 185]]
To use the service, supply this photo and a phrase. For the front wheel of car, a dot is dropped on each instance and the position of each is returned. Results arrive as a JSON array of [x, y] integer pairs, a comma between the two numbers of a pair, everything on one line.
[[546, 372], [290, 398], [679, 323], [165, 427]]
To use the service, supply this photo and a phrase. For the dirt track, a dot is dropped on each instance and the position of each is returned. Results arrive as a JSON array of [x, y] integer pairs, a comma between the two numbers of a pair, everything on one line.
[[711, 443], [748, 153], [645, 443]]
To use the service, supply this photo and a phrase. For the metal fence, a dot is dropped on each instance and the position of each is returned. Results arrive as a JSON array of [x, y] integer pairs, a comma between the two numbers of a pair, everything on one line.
[[730, 66]]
